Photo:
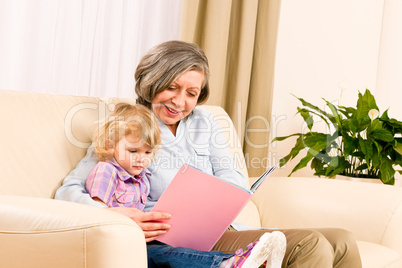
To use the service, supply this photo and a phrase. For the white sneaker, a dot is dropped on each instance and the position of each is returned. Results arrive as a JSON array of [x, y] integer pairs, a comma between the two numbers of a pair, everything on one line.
[[271, 248], [278, 250]]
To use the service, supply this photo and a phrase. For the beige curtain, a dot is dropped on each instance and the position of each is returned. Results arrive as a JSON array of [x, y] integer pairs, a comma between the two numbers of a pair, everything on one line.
[[239, 38]]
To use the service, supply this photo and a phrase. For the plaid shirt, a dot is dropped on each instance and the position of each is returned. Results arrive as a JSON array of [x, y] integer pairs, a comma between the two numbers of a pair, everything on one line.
[[109, 182]]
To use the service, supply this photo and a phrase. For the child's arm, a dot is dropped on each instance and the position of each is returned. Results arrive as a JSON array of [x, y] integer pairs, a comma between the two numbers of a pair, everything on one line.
[[101, 183], [99, 201]]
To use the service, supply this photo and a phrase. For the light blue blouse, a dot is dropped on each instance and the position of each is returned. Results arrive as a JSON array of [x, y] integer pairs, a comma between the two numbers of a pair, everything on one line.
[[199, 142]]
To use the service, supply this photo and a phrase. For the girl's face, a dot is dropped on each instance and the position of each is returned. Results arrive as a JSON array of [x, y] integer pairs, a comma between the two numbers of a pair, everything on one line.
[[179, 99], [133, 154]]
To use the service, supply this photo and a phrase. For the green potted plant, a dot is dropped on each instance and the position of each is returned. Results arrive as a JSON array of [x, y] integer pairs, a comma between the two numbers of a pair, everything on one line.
[[359, 143]]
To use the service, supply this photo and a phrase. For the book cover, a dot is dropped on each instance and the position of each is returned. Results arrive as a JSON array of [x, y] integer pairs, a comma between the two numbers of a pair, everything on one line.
[[202, 207]]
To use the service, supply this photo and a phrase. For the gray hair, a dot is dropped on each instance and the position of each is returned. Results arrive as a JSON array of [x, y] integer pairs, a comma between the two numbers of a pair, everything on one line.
[[166, 62]]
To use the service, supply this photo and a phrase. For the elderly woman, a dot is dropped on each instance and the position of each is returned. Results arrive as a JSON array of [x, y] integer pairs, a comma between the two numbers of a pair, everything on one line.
[[172, 79]]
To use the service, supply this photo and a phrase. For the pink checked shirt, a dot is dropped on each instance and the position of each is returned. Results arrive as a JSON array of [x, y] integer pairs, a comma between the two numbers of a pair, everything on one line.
[[116, 187]]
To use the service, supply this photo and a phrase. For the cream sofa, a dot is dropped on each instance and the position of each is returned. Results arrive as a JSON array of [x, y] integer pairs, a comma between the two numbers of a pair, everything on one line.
[[43, 138]]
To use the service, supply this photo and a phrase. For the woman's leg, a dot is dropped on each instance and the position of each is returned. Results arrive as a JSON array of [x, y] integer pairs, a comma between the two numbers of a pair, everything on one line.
[[162, 255], [346, 252], [305, 248]]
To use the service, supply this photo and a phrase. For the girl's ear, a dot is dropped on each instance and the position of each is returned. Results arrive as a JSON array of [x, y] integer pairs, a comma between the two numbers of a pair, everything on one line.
[[109, 144]]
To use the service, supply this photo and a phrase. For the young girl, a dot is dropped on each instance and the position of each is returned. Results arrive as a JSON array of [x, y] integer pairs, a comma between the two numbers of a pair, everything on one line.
[[125, 145]]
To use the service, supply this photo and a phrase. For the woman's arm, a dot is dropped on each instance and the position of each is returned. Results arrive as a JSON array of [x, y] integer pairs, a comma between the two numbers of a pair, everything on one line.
[[223, 163], [149, 222], [73, 187]]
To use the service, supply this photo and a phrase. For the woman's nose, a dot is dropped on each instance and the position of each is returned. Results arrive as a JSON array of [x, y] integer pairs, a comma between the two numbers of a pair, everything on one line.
[[179, 99]]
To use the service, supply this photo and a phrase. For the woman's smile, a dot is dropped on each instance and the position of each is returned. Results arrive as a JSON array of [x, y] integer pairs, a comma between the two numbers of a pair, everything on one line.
[[179, 99], [171, 111]]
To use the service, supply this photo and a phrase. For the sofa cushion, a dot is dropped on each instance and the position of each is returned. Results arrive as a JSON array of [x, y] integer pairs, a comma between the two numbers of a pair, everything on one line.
[[377, 256], [46, 136], [40, 232]]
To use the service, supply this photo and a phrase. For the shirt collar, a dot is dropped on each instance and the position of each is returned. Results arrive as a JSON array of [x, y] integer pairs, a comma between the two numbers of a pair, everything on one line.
[[167, 135]]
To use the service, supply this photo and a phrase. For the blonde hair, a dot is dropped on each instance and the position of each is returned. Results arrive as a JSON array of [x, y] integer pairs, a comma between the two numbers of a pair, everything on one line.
[[164, 64], [126, 119]]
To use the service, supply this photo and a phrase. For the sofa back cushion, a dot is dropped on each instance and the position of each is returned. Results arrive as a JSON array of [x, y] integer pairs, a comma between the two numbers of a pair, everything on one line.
[[45, 136]]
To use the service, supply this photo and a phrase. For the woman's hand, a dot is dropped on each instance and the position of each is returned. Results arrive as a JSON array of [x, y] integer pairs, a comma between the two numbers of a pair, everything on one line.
[[149, 222]]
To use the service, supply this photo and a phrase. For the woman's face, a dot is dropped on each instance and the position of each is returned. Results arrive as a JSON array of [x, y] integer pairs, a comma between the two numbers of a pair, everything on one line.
[[179, 99]]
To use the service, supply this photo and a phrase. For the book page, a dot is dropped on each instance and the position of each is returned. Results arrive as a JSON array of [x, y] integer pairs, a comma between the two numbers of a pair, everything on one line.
[[260, 180]]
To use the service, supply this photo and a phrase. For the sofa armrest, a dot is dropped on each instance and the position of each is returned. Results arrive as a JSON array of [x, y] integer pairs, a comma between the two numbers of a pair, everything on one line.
[[373, 212], [249, 216], [39, 232]]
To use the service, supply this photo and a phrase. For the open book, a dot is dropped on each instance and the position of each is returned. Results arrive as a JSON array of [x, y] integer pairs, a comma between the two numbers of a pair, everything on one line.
[[202, 207]]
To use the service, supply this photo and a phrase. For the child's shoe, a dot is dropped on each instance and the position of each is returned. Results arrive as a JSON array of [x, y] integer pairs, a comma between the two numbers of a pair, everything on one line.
[[270, 249], [278, 249]]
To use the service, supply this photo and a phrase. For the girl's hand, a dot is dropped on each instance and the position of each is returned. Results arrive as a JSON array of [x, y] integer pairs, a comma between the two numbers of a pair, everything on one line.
[[149, 222]]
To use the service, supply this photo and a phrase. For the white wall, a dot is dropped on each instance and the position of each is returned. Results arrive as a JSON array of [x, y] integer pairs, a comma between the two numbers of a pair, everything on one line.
[[389, 79], [325, 47]]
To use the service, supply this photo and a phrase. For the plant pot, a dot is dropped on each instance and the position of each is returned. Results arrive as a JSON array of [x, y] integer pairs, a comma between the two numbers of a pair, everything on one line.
[[398, 179], [346, 178]]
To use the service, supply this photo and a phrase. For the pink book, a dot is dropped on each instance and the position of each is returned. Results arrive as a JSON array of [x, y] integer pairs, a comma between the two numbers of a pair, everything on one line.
[[202, 207]]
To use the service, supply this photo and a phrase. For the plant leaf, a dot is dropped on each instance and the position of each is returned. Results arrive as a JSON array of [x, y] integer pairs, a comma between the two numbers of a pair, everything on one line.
[[376, 124], [369, 98], [306, 117], [362, 167], [323, 117], [318, 140], [385, 116], [311, 106], [285, 137], [375, 160], [321, 113], [316, 164], [383, 135], [398, 146], [335, 114], [387, 171], [347, 111], [303, 163], [395, 124], [293, 152], [362, 108], [349, 145], [366, 148], [391, 124], [350, 124], [398, 160], [336, 166], [363, 123]]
